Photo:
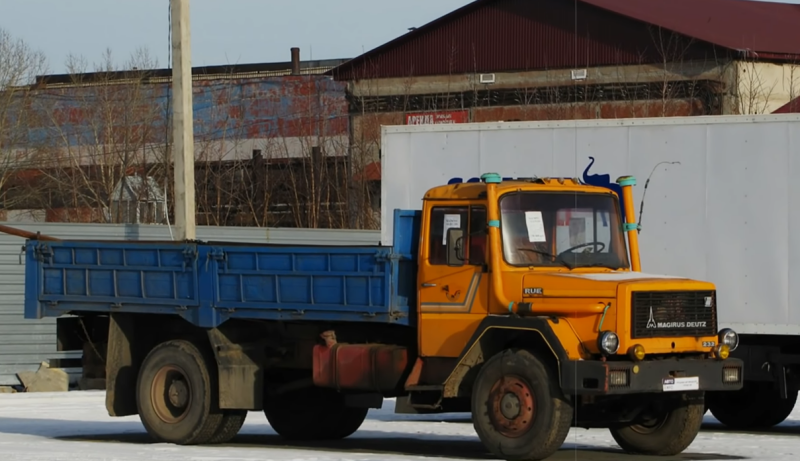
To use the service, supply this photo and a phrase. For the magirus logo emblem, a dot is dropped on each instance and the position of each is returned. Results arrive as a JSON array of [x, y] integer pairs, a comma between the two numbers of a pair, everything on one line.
[[652, 322]]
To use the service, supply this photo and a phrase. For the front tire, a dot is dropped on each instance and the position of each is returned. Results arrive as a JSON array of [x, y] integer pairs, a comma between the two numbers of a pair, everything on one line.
[[176, 394], [664, 431], [313, 414], [518, 409]]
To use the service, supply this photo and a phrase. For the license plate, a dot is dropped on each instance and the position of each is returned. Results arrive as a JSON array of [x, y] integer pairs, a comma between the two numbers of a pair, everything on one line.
[[681, 384]]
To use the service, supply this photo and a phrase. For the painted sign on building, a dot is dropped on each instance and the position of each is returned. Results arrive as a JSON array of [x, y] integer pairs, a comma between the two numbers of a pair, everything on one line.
[[438, 118]]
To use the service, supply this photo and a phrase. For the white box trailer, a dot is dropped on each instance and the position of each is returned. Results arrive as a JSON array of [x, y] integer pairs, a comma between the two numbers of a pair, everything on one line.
[[718, 206]]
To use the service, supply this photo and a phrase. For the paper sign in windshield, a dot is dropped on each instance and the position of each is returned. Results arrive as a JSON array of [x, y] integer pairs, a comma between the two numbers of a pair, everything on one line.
[[535, 225], [451, 221]]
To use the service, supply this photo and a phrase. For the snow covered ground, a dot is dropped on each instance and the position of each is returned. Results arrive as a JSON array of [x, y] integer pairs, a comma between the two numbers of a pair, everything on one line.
[[74, 426]]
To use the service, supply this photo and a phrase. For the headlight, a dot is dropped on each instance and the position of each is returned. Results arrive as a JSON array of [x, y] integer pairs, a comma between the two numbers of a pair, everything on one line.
[[608, 342], [729, 338]]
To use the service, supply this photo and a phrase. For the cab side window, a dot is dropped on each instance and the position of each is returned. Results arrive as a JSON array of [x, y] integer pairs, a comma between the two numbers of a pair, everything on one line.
[[478, 235], [471, 220]]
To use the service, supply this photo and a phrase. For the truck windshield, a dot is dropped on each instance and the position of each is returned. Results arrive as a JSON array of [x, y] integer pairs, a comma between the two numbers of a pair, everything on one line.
[[562, 229]]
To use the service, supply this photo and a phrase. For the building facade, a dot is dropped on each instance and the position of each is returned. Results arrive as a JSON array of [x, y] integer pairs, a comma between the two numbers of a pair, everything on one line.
[[272, 145], [512, 60]]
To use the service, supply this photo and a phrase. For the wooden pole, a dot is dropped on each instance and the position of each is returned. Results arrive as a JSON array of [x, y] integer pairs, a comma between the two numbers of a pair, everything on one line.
[[182, 121]]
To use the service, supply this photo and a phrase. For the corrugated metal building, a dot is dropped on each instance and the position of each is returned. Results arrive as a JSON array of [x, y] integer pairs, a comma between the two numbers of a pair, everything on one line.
[[256, 127], [24, 344], [504, 60]]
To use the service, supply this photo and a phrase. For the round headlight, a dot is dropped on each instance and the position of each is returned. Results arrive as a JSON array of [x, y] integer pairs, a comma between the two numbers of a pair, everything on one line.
[[729, 338], [608, 342]]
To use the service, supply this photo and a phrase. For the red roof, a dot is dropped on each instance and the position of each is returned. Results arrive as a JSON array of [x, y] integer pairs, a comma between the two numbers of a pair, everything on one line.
[[499, 35], [768, 29], [791, 107]]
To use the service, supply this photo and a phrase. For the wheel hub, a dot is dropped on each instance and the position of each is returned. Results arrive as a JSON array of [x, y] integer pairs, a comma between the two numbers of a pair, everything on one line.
[[512, 408], [650, 423], [170, 394], [178, 394]]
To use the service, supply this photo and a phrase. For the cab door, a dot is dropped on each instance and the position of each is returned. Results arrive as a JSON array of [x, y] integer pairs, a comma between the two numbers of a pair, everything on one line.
[[453, 295]]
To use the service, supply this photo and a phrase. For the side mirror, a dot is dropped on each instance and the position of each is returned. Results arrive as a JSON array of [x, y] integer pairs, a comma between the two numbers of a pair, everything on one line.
[[455, 247]]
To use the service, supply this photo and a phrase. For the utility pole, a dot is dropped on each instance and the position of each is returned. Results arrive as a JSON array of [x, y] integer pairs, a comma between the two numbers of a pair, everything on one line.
[[182, 120]]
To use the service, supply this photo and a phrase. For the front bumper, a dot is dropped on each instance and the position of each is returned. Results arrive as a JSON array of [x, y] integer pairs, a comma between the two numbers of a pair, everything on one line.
[[594, 377]]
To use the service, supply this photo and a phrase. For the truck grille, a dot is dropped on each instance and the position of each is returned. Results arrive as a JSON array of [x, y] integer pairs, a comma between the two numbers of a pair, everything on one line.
[[673, 313]]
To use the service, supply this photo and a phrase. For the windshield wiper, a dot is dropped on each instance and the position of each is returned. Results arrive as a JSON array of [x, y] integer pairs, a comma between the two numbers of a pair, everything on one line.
[[557, 258], [603, 265]]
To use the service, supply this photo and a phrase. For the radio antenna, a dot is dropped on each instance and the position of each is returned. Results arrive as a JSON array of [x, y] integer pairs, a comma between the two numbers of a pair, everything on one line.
[[647, 183]]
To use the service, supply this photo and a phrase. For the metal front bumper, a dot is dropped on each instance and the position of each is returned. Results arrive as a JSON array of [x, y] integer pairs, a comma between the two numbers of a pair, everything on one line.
[[594, 377]]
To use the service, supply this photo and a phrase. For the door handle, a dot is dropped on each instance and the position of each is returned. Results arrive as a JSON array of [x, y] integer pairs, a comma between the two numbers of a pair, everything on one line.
[[428, 285]]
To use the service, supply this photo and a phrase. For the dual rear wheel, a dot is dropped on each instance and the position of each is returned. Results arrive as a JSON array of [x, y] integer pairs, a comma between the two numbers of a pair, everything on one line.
[[177, 397], [177, 400]]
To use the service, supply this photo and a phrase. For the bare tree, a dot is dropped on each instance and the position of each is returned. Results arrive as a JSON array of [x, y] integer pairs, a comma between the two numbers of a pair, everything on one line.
[[102, 141], [19, 65]]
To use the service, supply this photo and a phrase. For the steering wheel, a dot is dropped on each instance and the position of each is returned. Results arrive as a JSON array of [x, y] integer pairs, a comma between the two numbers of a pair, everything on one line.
[[594, 244]]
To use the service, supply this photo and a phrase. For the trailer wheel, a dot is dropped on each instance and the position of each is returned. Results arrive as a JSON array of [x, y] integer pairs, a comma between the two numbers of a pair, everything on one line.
[[665, 432], [176, 394], [313, 414], [755, 406], [232, 422], [518, 409]]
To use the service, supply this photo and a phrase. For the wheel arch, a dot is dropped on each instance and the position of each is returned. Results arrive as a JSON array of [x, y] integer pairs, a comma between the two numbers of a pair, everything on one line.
[[130, 338], [496, 334]]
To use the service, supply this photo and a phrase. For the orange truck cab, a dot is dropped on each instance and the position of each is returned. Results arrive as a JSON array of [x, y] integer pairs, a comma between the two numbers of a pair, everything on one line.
[[535, 316]]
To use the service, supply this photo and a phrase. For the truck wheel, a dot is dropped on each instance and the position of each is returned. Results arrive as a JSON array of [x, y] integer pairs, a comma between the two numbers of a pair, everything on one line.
[[778, 409], [176, 394], [232, 422], [755, 406], [313, 414], [518, 409], [666, 433]]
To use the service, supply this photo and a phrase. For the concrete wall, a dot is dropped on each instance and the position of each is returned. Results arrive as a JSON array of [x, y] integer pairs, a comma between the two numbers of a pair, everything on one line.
[[26, 343], [442, 84], [764, 87], [414, 90]]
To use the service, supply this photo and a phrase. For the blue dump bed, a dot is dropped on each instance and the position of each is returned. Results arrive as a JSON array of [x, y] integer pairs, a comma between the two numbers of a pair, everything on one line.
[[209, 283]]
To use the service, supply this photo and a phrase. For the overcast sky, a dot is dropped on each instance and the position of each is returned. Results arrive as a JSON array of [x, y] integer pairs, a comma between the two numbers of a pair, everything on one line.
[[223, 32]]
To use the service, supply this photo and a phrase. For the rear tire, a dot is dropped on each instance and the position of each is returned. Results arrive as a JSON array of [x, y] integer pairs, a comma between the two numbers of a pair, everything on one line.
[[755, 406], [667, 433], [313, 414], [518, 409], [176, 394], [232, 422]]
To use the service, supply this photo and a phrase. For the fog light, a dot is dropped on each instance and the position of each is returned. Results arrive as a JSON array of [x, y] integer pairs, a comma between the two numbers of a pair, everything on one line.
[[618, 378], [637, 352], [608, 342], [729, 337], [723, 351], [731, 374]]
